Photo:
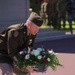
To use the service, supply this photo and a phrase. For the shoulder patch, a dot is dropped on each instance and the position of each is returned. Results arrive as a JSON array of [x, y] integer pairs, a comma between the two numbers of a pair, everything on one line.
[[15, 33]]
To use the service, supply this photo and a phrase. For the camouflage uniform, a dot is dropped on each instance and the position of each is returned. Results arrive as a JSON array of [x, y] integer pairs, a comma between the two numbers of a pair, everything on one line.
[[43, 13]]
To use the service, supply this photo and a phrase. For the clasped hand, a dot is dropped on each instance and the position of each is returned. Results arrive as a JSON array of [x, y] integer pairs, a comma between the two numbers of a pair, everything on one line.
[[31, 69]]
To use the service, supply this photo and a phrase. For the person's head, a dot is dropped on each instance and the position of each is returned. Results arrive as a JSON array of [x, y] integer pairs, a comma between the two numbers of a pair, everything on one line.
[[34, 23]]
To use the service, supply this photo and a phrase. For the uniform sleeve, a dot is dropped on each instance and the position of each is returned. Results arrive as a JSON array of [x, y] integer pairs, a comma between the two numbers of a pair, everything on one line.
[[12, 42]]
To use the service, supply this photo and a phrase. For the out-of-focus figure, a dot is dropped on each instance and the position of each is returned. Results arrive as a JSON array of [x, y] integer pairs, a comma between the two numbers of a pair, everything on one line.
[[61, 4], [70, 7], [43, 13]]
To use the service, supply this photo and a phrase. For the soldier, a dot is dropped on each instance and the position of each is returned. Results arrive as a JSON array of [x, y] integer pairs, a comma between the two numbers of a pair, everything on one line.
[[61, 13], [70, 7], [43, 13], [49, 11], [14, 39], [52, 13]]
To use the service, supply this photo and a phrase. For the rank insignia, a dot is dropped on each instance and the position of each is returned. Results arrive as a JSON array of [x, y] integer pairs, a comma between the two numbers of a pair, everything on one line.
[[16, 33]]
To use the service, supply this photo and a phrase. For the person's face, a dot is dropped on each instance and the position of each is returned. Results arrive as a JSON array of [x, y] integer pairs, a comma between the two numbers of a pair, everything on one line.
[[34, 28]]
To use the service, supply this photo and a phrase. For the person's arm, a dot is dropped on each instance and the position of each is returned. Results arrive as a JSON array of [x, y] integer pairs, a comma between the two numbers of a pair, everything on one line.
[[12, 43], [17, 71], [27, 70]]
